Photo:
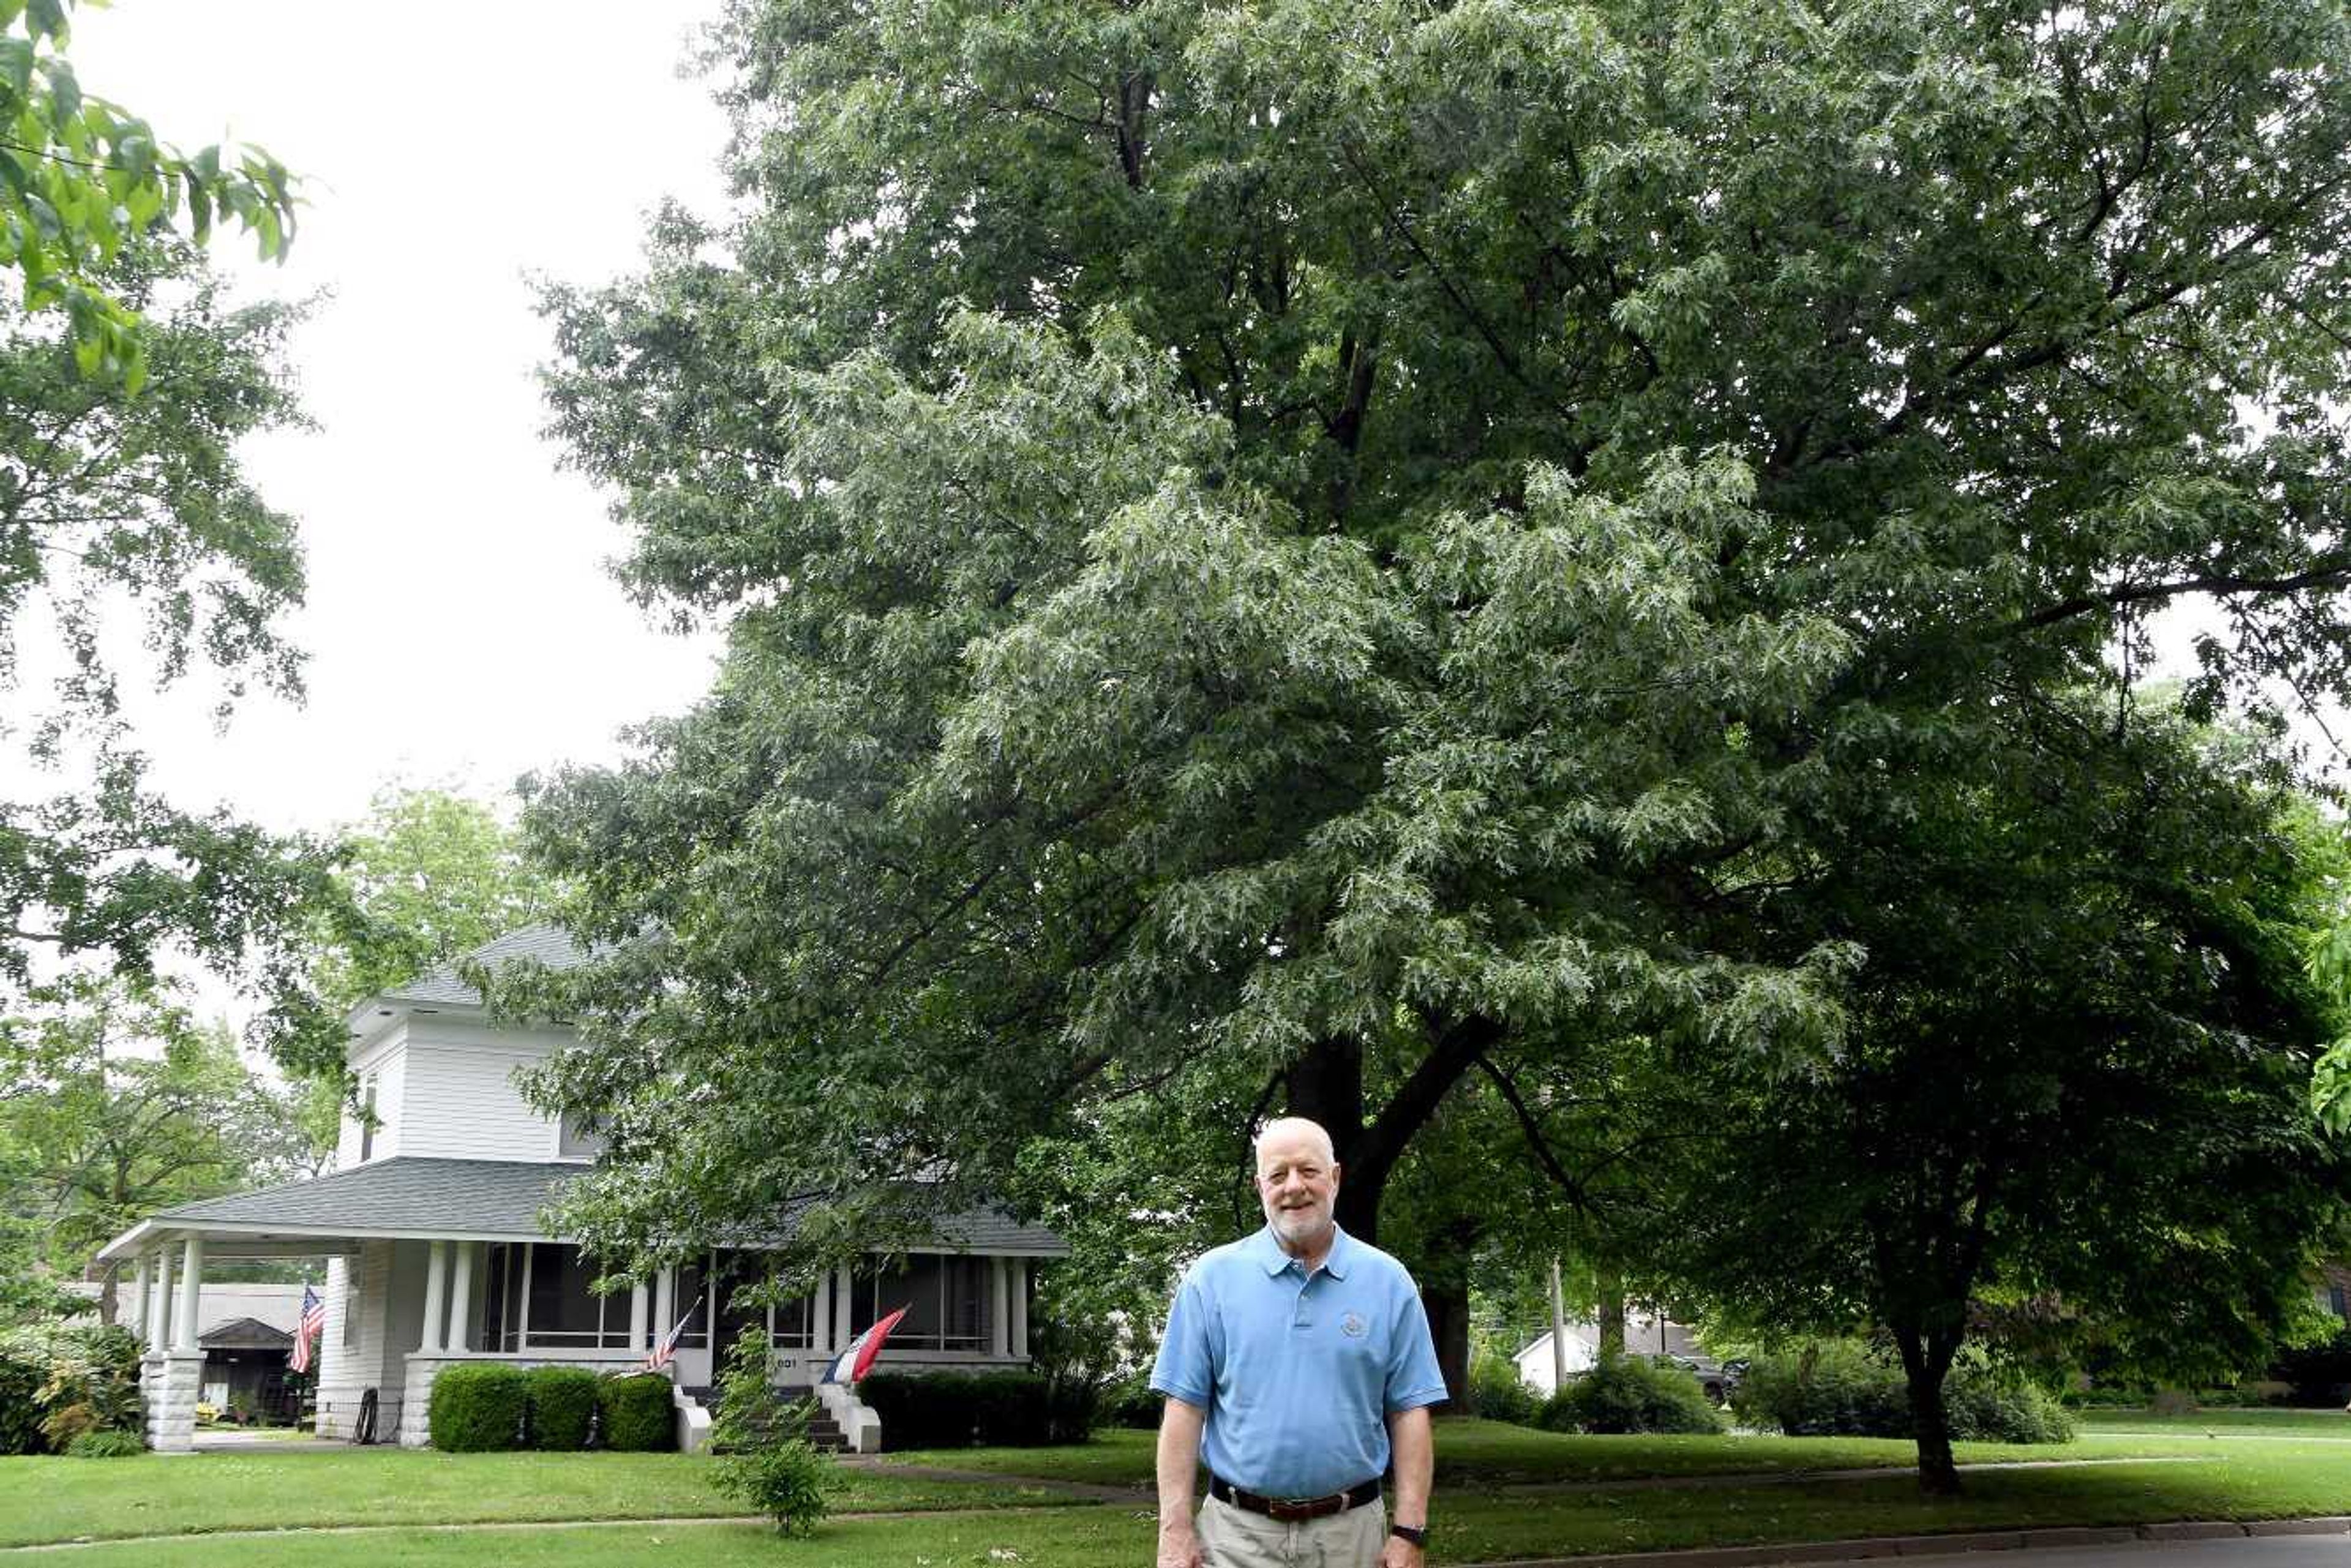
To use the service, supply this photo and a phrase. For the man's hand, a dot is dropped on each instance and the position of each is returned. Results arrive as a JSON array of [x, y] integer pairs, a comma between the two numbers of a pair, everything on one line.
[[1398, 1553], [1179, 1546]]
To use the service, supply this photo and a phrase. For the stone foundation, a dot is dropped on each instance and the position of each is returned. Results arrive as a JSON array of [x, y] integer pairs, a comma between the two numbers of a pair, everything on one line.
[[170, 1387]]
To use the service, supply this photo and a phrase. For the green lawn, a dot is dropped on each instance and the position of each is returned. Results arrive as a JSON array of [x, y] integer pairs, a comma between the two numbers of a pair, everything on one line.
[[60, 1500], [2249, 1481], [2265, 1423], [1494, 1453], [1477, 1519]]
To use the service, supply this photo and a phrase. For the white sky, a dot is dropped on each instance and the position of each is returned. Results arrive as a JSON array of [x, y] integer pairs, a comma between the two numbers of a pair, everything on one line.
[[460, 625]]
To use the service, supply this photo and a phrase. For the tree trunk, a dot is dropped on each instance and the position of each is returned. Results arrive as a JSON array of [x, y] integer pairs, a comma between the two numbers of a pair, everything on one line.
[[108, 1295], [1447, 1305], [1611, 1314], [1924, 1366]]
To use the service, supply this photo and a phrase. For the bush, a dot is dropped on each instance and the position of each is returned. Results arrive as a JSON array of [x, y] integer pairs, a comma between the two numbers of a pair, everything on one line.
[[783, 1479], [67, 1424], [478, 1407], [92, 1385], [955, 1410], [1627, 1393], [20, 1407], [1839, 1389], [1499, 1393], [562, 1406], [1130, 1403], [2319, 1374], [106, 1445], [637, 1414]]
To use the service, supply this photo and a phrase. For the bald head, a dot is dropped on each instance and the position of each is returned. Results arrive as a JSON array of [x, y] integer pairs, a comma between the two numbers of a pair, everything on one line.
[[1285, 1130]]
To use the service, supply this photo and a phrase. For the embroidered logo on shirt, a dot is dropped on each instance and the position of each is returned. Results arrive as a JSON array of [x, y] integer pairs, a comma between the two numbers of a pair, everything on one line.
[[1352, 1326]]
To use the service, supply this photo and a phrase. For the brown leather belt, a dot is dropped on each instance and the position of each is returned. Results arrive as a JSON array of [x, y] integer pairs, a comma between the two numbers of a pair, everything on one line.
[[1293, 1508]]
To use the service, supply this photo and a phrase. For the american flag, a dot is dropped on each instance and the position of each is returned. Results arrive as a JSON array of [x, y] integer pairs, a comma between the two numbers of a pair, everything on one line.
[[665, 1348], [306, 1332]]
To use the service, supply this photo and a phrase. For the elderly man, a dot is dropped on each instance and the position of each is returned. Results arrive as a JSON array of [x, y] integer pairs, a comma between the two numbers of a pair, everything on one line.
[[1303, 1357]]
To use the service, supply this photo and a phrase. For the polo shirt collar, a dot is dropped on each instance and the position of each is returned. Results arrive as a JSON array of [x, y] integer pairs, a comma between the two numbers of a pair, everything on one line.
[[1273, 1259]]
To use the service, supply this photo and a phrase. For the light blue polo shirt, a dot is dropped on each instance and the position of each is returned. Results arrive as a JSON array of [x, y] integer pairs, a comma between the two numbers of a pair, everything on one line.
[[1297, 1375]]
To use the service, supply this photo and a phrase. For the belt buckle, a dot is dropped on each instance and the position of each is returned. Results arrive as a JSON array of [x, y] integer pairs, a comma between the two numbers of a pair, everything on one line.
[[1290, 1509]]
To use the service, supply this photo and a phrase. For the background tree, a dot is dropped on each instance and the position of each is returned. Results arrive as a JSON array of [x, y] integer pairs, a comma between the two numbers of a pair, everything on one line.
[[119, 1103], [122, 513], [2071, 1103], [431, 874], [1314, 547]]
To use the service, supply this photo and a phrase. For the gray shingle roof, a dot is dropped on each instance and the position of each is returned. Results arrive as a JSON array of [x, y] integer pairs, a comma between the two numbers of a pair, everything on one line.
[[489, 1198], [245, 1333], [545, 943], [473, 1197]]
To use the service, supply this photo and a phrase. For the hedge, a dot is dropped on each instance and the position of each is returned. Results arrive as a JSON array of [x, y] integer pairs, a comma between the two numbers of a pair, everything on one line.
[[1839, 1389], [562, 1406], [1625, 1394], [997, 1410], [1497, 1393], [478, 1406], [637, 1414]]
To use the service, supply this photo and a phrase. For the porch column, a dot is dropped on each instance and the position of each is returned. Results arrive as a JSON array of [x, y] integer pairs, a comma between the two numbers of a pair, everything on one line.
[[820, 1315], [640, 1308], [436, 1294], [842, 1304], [1018, 1269], [1000, 1309], [191, 1280], [664, 1301], [145, 1319], [461, 1299], [159, 1326]]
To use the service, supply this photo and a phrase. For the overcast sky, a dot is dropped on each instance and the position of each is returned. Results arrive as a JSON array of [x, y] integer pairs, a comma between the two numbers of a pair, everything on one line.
[[460, 625]]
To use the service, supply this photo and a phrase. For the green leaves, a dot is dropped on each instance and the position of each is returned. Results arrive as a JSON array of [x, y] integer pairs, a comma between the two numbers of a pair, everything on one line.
[[80, 177]]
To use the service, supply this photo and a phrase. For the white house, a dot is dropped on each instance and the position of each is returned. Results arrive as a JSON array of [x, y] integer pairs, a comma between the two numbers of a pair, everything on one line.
[[1645, 1333], [431, 1219]]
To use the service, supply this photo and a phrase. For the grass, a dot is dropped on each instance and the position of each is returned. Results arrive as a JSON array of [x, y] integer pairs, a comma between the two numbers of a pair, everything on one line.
[[1477, 1518], [64, 1499], [2263, 1423], [1475, 1453], [2247, 1481]]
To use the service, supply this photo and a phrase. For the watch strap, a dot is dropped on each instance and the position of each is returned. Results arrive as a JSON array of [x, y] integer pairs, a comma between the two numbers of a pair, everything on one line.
[[1415, 1534]]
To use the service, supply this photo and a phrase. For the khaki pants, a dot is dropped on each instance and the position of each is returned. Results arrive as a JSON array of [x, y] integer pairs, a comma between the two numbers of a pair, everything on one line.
[[1235, 1537]]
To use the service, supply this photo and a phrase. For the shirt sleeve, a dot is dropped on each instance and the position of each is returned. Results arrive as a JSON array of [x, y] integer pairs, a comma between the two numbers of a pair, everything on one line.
[[1186, 1369], [1413, 1378]]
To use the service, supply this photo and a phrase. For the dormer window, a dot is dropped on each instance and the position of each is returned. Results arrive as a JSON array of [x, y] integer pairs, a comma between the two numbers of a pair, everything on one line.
[[579, 1138]]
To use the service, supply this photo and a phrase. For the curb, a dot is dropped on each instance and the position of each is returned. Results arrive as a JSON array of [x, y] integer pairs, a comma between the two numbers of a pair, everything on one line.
[[2055, 1536]]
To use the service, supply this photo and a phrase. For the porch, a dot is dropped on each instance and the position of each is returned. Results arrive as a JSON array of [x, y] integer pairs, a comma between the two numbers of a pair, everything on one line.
[[432, 1262]]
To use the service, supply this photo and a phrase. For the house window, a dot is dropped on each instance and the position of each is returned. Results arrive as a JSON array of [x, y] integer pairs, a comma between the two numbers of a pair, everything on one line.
[[578, 1139], [787, 1323], [945, 1296], [564, 1313], [502, 1298], [366, 1118]]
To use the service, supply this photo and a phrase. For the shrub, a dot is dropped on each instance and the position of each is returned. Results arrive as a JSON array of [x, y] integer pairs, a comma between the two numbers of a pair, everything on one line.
[[1499, 1393], [1839, 1389], [750, 1412], [562, 1406], [1130, 1403], [1627, 1393], [783, 1479], [478, 1407], [20, 1407], [2318, 1374], [954, 1410], [66, 1424], [637, 1414], [109, 1445]]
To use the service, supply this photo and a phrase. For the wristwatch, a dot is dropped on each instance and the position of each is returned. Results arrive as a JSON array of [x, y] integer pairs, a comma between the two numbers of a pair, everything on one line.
[[1415, 1534]]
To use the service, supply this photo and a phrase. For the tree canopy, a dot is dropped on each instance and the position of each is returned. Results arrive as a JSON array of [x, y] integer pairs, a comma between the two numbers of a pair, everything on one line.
[[80, 178], [116, 1102], [1338, 550]]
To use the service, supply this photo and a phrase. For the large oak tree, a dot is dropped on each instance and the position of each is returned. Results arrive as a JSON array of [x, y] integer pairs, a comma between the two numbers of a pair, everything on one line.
[[1334, 547]]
